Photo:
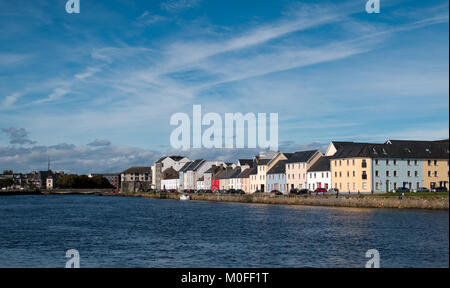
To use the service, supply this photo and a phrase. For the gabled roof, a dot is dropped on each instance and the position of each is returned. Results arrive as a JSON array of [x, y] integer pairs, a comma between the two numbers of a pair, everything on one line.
[[183, 169], [138, 170], [263, 161], [194, 165], [169, 173], [173, 157], [253, 171], [322, 164], [248, 162], [228, 173], [279, 168], [245, 173], [302, 156]]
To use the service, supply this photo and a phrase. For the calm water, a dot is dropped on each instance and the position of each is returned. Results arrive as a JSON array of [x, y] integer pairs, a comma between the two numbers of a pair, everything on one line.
[[35, 231]]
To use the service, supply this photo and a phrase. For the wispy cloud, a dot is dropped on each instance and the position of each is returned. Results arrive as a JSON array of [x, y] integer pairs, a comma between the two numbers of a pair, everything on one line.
[[55, 95], [179, 5], [90, 71]]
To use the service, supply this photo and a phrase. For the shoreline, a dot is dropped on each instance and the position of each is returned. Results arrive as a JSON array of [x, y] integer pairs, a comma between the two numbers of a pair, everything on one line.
[[352, 201], [429, 202]]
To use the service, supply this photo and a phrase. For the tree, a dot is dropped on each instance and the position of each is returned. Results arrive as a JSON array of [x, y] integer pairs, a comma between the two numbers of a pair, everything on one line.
[[8, 172], [6, 182]]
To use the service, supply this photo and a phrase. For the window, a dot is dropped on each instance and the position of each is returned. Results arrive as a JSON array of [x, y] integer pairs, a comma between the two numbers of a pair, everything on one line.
[[353, 162], [395, 173], [377, 174], [354, 173], [435, 173], [348, 162], [376, 162], [348, 174], [364, 175], [429, 162], [416, 173], [364, 164], [364, 185], [387, 161], [429, 173], [409, 162], [409, 173], [395, 162], [377, 186], [416, 162], [435, 163], [387, 174], [335, 174]]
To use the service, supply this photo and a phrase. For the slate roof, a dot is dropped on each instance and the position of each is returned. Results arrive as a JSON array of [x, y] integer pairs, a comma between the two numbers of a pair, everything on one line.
[[228, 173], [302, 156], [195, 165], [263, 161], [253, 171], [401, 149], [245, 173], [248, 162], [183, 169], [173, 157], [279, 168], [322, 164], [138, 170]]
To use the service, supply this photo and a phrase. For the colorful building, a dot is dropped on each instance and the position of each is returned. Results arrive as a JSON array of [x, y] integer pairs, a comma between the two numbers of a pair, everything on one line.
[[297, 168], [276, 177], [319, 174]]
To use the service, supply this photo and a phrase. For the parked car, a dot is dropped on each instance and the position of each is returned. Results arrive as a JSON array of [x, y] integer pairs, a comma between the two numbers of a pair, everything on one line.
[[276, 192], [440, 189], [421, 189], [320, 190], [294, 191], [333, 191], [402, 190], [208, 191], [303, 191], [239, 191]]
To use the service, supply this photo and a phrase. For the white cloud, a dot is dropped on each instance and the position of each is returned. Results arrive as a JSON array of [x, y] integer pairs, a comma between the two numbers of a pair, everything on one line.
[[90, 71]]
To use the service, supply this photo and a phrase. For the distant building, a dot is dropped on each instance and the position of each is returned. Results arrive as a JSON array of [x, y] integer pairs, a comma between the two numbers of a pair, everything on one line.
[[50, 183], [170, 179], [276, 177], [297, 167], [136, 179], [319, 174], [175, 162]]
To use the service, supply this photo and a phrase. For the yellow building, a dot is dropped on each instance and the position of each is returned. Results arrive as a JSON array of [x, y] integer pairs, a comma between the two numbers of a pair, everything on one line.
[[351, 174], [435, 173]]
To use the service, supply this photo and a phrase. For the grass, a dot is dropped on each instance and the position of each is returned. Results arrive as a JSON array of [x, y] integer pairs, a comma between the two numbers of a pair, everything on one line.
[[419, 194]]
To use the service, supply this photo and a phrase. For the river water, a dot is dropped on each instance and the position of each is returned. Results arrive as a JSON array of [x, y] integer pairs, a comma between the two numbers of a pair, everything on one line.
[[36, 231]]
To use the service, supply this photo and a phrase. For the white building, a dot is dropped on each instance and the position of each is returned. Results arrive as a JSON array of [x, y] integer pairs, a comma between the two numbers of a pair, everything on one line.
[[319, 174]]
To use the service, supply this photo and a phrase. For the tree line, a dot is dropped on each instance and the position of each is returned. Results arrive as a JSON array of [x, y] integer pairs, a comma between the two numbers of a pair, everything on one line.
[[72, 181]]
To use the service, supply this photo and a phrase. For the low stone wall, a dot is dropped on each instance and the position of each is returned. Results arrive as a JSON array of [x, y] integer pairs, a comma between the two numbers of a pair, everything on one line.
[[411, 202]]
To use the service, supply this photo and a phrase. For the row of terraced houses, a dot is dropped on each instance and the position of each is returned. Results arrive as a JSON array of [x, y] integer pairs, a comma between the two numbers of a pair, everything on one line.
[[346, 166]]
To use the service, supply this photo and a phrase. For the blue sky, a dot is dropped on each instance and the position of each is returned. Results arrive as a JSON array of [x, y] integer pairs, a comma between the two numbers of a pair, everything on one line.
[[100, 86]]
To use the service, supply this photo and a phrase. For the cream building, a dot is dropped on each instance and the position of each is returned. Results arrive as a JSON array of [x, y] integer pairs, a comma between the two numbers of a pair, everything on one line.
[[297, 168]]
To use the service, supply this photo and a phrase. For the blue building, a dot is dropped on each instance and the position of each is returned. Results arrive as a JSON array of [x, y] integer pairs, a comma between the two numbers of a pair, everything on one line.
[[392, 173], [276, 178]]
